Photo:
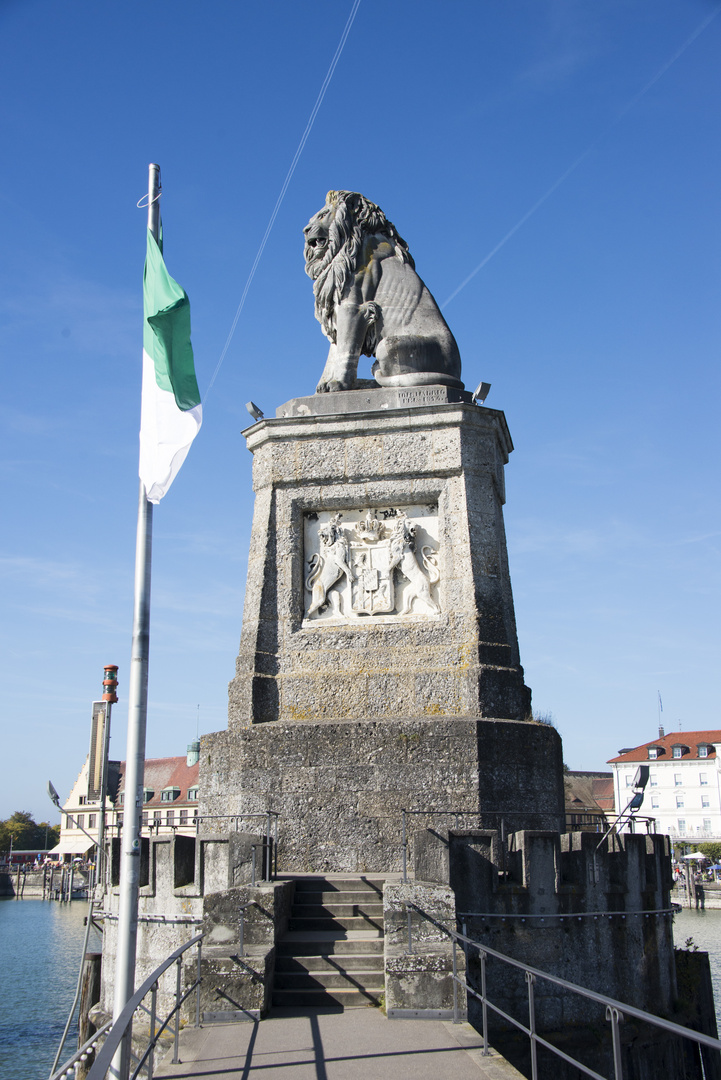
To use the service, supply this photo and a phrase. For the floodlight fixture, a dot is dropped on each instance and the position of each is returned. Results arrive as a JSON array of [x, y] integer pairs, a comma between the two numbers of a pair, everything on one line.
[[52, 794], [254, 411], [481, 392]]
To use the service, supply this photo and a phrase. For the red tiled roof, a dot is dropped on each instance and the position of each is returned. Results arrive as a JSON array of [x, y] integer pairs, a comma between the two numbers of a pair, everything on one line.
[[691, 739], [163, 773]]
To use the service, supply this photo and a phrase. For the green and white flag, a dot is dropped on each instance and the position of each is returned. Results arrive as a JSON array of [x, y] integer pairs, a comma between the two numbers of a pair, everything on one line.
[[171, 413]]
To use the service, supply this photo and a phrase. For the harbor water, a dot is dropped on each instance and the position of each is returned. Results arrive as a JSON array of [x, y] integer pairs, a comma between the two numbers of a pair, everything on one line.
[[41, 944]]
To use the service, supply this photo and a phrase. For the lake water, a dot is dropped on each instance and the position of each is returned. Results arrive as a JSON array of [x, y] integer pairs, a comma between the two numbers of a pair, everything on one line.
[[704, 927], [41, 944]]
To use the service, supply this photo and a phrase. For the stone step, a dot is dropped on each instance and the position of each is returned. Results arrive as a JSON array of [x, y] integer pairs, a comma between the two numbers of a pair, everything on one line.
[[322, 943], [314, 999], [327, 980], [346, 923], [338, 911], [354, 896], [340, 884], [355, 962]]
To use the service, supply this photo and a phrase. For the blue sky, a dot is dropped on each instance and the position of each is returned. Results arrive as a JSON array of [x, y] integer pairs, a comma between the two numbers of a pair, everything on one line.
[[596, 321]]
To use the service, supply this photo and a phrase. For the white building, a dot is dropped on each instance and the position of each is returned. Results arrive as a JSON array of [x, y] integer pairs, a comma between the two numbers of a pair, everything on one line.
[[683, 793], [170, 801]]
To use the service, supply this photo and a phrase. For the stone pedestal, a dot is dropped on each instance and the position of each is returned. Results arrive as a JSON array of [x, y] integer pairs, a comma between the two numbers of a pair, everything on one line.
[[378, 666], [444, 643]]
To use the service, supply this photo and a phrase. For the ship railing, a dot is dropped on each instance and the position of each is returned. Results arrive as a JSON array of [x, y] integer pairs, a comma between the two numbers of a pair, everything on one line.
[[134, 1064], [616, 1012]]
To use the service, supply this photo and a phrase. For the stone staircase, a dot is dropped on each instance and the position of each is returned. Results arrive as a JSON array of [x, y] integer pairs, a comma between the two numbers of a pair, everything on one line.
[[332, 953]]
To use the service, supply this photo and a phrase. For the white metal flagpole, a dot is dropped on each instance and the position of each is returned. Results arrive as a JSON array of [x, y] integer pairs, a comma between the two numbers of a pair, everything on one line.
[[137, 722]]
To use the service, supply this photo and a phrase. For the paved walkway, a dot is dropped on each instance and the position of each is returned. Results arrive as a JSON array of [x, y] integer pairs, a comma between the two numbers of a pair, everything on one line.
[[357, 1044]]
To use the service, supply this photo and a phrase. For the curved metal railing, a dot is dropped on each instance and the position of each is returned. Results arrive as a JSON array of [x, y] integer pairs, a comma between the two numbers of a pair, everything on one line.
[[123, 1025], [616, 1011]]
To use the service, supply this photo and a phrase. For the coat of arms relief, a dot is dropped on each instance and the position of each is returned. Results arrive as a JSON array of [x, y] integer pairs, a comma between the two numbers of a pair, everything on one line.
[[380, 563]]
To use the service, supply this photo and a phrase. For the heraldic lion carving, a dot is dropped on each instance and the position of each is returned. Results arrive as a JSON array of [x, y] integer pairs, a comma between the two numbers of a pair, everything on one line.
[[370, 301]]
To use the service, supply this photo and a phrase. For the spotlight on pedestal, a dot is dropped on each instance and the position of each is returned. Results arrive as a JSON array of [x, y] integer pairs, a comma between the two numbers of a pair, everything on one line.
[[481, 392], [254, 410]]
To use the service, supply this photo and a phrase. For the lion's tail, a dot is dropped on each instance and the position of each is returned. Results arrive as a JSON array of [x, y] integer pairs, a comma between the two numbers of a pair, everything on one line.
[[429, 561]]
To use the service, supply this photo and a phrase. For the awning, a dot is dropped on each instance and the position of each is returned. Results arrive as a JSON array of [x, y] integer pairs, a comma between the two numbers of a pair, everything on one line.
[[72, 847]]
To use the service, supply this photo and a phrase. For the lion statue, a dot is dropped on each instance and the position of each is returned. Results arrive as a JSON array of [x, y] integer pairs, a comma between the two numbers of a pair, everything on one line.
[[370, 301]]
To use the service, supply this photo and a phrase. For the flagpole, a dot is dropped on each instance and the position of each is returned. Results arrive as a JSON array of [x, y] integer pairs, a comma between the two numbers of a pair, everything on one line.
[[137, 722]]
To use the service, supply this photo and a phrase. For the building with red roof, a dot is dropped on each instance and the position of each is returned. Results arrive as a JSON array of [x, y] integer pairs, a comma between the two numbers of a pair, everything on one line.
[[683, 793], [170, 802]]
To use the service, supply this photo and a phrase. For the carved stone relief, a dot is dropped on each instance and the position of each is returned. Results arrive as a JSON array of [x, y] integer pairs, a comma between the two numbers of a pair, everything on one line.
[[381, 563]]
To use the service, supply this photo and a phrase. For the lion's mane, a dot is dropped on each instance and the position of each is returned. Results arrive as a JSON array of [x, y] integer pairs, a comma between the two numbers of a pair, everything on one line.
[[352, 218]]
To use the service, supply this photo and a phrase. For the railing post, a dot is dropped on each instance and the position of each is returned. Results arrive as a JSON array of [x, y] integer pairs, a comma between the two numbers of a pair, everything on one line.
[[405, 849], [242, 931], [455, 985], [267, 847], [153, 1015], [616, 1017], [410, 930], [252, 851], [178, 977], [482, 957], [275, 845], [197, 989], [530, 980]]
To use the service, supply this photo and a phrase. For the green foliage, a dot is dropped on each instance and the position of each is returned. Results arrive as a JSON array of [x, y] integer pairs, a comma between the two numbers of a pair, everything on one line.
[[711, 850], [26, 833]]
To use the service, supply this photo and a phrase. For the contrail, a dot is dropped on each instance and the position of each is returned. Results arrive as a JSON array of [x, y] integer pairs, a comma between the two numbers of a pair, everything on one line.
[[574, 165], [286, 182]]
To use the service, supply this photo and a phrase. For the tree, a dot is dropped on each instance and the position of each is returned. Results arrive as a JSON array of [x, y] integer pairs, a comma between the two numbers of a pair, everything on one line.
[[711, 850], [26, 833]]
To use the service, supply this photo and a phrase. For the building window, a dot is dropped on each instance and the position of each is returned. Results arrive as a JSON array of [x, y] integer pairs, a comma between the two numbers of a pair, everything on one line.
[[703, 751], [70, 822], [120, 819], [121, 798], [92, 819], [682, 825], [678, 751], [705, 800], [145, 819], [654, 802], [80, 820], [629, 781], [147, 794], [653, 780], [183, 817], [679, 802], [170, 817], [82, 800], [170, 794], [677, 779], [653, 752], [193, 792], [703, 779], [707, 824], [157, 816]]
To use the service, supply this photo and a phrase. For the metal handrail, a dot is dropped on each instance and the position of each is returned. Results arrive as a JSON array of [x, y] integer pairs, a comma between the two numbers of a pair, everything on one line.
[[82, 1053], [105, 1056], [616, 1011]]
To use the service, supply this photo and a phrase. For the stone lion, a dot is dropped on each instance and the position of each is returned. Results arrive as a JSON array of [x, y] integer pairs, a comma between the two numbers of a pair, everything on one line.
[[370, 301]]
